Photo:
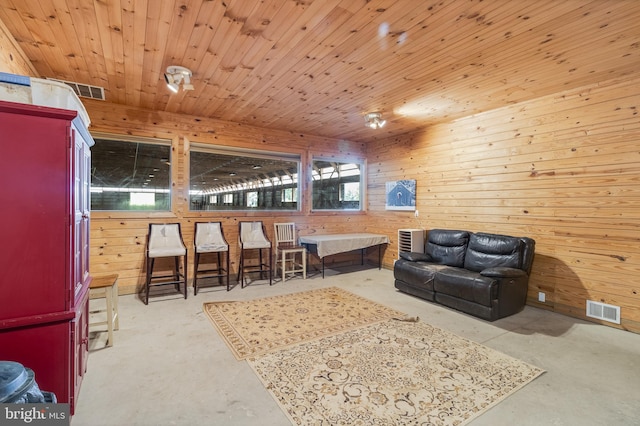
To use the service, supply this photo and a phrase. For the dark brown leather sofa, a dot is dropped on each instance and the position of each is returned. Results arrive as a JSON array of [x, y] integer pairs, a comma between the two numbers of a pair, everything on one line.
[[485, 275]]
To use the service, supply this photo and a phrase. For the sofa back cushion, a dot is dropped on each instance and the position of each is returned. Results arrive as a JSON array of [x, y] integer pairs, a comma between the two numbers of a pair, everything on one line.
[[491, 250], [447, 247]]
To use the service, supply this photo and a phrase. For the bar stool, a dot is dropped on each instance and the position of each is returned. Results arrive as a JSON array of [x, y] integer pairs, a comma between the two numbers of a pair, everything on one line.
[[107, 287], [209, 239], [251, 236], [165, 241]]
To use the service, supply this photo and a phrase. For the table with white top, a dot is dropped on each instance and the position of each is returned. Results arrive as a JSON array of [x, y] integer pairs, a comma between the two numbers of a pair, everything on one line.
[[330, 244]]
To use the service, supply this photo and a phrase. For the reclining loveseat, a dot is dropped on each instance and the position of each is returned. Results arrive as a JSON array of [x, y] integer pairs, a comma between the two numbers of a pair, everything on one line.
[[485, 275]]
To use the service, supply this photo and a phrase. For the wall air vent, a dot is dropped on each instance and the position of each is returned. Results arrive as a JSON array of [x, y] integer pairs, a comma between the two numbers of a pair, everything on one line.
[[84, 90], [603, 311]]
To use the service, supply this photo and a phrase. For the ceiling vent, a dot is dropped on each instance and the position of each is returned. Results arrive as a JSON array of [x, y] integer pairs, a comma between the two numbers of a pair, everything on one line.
[[603, 311], [84, 90]]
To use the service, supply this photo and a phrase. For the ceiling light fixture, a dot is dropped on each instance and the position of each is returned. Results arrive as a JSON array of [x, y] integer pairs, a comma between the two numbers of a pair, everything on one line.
[[175, 75], [374, 120]]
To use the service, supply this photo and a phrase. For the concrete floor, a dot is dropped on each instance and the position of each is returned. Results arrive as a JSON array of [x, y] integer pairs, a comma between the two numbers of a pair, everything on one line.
[[169, 366]]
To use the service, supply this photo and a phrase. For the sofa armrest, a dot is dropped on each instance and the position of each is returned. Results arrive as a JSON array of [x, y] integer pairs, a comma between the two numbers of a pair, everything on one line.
[[503, 272], [415, 257]]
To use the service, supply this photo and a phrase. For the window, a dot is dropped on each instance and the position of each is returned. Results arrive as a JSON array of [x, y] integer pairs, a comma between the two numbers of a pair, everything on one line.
[[252, 199], [130, 173], [337, 185], [235, 179], [289, 195]]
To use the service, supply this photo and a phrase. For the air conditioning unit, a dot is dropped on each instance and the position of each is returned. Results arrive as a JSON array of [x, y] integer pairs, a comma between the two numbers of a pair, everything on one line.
[[410, 240]]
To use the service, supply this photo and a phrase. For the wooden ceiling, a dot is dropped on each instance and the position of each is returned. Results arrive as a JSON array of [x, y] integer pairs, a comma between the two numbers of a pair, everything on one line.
[[317, 66]]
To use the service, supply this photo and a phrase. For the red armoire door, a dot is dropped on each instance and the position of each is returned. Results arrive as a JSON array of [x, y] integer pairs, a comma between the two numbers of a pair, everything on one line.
[[44, 167]]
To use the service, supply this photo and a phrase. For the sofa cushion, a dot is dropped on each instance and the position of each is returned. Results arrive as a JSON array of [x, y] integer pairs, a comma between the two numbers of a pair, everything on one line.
[[491, 250], [466, 285], [447, 247], [415, 257], [502, 272], [415, 273]]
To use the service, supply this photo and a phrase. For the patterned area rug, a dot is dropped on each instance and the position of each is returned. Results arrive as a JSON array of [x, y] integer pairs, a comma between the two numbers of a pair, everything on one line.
[[390, 373], [256, 327]]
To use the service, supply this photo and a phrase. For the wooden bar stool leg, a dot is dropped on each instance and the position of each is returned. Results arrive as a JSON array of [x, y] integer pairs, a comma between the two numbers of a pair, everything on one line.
[[184, 274], [270, 266], [196, 262], [228, 272], [114, 303], [108, 293], [304, 264], [283, 266]]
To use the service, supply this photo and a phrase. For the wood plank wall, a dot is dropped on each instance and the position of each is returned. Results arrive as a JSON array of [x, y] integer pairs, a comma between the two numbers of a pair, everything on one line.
[[563, 169], [12, 58], [118, 239]]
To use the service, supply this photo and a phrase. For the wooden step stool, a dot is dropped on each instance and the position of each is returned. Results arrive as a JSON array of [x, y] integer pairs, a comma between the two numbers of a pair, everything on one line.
[[107, 286]]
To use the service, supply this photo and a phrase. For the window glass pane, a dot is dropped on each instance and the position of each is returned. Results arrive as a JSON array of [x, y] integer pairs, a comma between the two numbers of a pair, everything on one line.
[[130, 175], [142, 199], [289, 195], [336, 185], [252, 199], [350, 191], [224, 179]]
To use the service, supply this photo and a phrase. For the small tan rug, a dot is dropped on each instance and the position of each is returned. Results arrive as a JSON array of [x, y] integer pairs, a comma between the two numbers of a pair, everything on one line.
[[390, 373], [256, 327]]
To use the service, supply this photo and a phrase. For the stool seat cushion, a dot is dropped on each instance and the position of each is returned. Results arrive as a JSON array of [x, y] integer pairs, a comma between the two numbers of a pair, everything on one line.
[[167, 251], [211, 247], [255, 244]]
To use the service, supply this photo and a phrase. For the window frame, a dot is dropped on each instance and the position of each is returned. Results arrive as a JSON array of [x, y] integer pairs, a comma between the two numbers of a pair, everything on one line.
[[257, 154], [162, 141], [362, 162]]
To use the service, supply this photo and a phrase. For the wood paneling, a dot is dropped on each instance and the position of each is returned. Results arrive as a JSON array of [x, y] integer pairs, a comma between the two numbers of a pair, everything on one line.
[[12, 58], [317, 66], [118, 239], [514, 117], [563, 169]]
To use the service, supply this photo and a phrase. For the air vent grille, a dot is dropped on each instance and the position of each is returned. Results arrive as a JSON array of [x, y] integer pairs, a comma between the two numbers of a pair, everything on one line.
[[603, 311], [84, 90], [411, 240]]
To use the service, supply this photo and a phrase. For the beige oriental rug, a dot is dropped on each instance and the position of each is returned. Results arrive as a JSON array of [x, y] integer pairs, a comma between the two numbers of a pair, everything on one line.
[[390, 373], [255, 327], [330, 357]]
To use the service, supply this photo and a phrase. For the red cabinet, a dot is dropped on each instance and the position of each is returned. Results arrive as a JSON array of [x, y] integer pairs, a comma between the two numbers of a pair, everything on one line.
[[45, 162]]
